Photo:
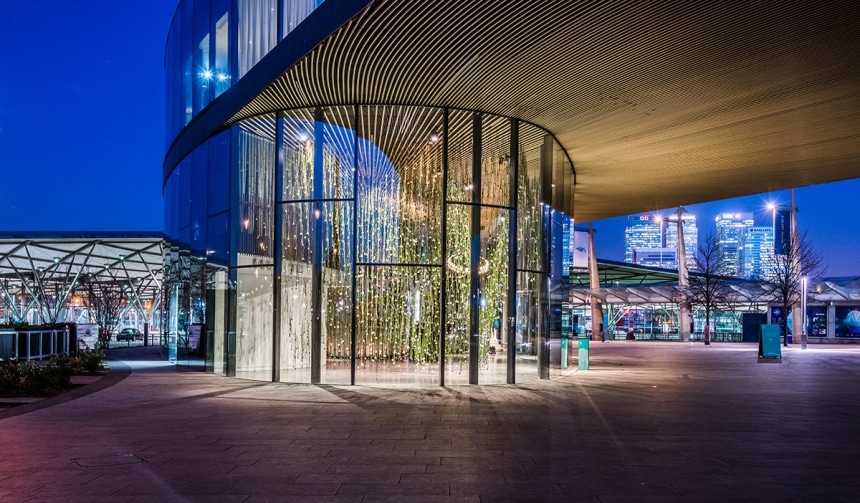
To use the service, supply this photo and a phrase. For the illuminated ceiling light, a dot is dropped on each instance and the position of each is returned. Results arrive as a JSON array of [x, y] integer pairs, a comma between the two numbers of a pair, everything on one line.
[[121, 258], [245, 223], [207, 74], [303, 137], [56, 260], [222, 77], [434, 137]]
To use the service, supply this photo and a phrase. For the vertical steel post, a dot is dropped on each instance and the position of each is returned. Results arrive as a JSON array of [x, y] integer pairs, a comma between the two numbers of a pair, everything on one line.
[[443, 294], [317, 250], [279, 249], [511, 300], [475, 249]]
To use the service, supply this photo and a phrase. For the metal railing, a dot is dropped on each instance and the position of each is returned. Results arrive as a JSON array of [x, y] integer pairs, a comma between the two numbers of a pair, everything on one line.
[[34, 344]]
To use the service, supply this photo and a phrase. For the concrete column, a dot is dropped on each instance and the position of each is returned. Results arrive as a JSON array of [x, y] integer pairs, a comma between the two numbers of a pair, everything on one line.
[[684, 317], [598, 333]]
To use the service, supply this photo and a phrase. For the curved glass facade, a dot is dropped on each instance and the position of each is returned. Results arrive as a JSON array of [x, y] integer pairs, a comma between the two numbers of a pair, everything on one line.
[[213, 43], [354, 244]]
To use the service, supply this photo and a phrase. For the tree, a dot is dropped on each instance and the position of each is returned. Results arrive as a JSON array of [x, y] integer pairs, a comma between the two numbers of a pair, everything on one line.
[[707, 287], [784, 273], [105, 303]]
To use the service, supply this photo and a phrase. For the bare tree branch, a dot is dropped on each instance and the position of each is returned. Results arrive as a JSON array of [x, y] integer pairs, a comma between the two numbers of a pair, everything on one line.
[[708, 288], [783, 274]]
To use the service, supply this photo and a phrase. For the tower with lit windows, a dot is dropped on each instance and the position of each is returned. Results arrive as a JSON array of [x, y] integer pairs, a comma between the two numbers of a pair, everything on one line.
[[731, 235], [758, 247], [691, 235], [644, 231]]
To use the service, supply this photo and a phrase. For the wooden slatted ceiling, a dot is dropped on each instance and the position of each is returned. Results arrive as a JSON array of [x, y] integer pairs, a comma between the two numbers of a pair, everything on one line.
[[656, 103]]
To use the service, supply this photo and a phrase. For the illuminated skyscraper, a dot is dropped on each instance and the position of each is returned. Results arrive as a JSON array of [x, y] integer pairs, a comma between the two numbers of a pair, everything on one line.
[[643, 231], [731, 234], [758, 246], [691, 235]]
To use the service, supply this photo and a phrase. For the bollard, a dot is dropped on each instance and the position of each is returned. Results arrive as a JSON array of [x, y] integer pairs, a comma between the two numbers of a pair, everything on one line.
[[583, 353], [563, 353]]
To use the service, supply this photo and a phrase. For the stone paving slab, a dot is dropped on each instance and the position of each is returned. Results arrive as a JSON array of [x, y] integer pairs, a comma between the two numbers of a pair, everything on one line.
[[648, 422]]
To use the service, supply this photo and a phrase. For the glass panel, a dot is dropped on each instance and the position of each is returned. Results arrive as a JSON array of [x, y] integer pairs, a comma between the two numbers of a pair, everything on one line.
[[457, 295], [335, 302], [495, 153], [217, 234], [305, 226], [296, 293], [222, 54], [199, 213], [202, 63], [298, 156], [256, 159], [397, 329], [219, 173], [186, 57], [217, 290], [529, 319], [184, 201], [171, 227], [400, 186], [295, 11], [253, 320], [258, 31], [529, 255], [338, 153], [460, 156], [493, 274]]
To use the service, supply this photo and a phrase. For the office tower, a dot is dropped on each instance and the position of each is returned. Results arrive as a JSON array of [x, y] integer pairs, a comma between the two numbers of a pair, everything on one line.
[[731, 232], [691, 235], [643, 231], [758, 247]]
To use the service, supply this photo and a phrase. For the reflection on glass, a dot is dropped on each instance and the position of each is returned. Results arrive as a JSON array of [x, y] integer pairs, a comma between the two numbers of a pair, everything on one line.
[[253, 320], [258, 31]]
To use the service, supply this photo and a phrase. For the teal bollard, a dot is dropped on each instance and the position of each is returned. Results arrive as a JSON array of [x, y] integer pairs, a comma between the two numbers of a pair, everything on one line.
[[583, 353], [563, 353]]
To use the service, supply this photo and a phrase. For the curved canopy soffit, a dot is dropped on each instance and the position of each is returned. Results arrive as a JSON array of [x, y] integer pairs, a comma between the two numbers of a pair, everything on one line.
[[657, 104]]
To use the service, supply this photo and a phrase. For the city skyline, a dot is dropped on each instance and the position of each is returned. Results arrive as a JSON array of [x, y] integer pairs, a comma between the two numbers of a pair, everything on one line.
[[72, 69], [833, 233]]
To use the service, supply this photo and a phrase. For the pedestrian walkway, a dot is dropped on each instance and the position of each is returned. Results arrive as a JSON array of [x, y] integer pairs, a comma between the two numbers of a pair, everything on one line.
[[648, 422]]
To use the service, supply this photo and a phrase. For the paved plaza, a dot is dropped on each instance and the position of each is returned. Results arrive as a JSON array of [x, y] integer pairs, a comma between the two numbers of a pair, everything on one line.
[[648, 422]]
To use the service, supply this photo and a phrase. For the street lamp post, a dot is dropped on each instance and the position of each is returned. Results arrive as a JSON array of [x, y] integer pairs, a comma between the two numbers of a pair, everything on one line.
[[803, 334]]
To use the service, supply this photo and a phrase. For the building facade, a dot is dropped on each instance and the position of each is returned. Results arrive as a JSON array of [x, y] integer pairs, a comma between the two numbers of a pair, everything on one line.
[[731, 232], [351, 243], [643, 231], [758, 247], [691, 235]]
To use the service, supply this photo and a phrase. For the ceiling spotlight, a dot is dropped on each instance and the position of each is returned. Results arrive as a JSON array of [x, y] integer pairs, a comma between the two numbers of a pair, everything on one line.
[[434, 137]]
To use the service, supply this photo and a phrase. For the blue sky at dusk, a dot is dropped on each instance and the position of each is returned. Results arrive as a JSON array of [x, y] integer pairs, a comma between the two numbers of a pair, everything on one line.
[[82, 132]]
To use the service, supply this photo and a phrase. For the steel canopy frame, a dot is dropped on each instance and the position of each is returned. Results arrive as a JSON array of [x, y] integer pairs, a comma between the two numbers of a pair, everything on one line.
[[40, 272]]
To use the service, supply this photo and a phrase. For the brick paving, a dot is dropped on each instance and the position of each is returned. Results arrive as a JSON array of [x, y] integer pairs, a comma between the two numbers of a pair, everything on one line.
[[648, 422]]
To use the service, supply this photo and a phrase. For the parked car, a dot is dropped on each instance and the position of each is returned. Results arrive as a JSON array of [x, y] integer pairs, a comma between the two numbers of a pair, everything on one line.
[[129, 334]]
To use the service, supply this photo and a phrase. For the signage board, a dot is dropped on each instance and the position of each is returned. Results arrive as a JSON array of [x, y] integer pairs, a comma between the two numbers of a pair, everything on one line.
[[768, 345]]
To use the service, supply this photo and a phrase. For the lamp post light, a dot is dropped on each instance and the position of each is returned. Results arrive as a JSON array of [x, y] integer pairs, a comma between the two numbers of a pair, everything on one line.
[[772, 208], [803, 334]]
